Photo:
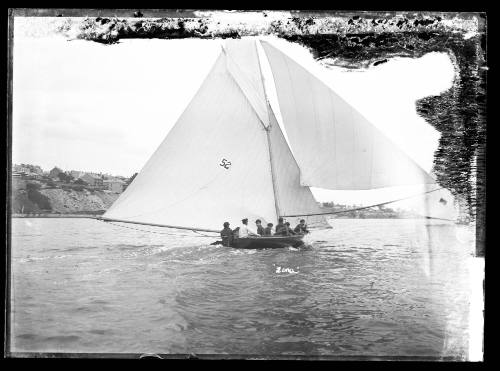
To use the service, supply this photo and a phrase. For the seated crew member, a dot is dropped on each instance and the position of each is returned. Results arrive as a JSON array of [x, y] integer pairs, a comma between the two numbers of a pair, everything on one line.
[[268, 231], [244, 231], [227, 235], [236, 232], [301, 228], [288, 231], [279, 227], [260, 228]]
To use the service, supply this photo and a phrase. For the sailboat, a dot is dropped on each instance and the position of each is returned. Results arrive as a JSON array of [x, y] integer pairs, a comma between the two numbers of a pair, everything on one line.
[[227, 158]]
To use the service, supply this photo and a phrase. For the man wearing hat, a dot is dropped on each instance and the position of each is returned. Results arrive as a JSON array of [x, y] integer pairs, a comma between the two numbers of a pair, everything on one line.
[[227, 235], [245, 231]]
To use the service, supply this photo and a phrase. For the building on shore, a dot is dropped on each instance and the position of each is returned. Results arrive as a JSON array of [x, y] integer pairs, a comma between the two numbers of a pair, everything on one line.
[[92, 179], [76, 173], [114, 185], [54, 173], [26, 171]]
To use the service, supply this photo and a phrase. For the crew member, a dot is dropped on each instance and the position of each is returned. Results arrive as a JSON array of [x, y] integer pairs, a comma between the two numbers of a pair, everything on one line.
[[227, 235], [245, 231], [288, 231], [260, 228], [268, 231], [302, 227], [279, 227]]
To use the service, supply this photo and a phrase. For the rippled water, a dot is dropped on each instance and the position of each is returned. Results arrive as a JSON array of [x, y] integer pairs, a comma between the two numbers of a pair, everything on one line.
[[377, 287]]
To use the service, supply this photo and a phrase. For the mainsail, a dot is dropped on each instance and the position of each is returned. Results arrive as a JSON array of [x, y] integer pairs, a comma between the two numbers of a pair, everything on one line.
[[224, 159], [335, 146]]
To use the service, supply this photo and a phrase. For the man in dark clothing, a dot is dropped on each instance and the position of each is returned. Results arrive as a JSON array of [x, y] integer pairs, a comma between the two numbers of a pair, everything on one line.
[[301, 228], [268, 231], [227, 235], [288, 231], [260, 228], [280, 227]]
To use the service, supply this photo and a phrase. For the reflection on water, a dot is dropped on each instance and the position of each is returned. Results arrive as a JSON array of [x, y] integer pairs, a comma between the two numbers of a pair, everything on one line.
[[366, 287]]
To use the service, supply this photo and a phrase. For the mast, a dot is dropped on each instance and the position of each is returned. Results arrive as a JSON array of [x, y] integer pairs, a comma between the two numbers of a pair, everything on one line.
[[273, 171], [268, 136]]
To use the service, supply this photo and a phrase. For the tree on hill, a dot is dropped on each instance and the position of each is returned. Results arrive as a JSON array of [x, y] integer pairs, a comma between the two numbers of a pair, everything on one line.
[[36, 197], [81, 181], [32, 186], [64, 177]]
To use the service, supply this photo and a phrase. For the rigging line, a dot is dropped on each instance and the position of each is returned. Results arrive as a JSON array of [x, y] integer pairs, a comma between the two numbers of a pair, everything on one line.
[[105, 219], [202, 235], [142, 230], [365, 207], [432, 217], [163, 233], [126, 227]]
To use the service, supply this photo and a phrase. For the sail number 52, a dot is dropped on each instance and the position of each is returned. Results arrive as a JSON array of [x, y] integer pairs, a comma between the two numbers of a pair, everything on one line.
[[225, 163]]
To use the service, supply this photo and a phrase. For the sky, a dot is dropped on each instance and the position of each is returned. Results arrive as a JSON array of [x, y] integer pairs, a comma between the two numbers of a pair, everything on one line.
[[81, 105]]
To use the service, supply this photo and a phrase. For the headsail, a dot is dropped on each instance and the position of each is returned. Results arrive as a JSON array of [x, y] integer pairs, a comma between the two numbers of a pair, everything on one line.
[[293, 198], [335, 146]]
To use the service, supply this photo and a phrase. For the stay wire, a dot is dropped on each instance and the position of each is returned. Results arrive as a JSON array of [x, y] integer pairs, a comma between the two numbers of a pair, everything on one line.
[[366, 207], [162, 233]]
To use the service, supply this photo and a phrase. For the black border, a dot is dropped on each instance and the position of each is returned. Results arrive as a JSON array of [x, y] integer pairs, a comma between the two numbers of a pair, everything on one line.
[[433, 7]]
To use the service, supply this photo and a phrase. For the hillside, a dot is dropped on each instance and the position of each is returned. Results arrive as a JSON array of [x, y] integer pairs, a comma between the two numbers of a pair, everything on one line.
[[28, 197]]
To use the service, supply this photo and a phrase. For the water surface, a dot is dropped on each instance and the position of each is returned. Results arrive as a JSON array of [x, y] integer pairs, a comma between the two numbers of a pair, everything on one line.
[[379, 287]]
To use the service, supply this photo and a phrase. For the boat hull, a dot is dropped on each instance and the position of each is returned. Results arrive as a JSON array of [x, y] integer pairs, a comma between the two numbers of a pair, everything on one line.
[[268, 242]]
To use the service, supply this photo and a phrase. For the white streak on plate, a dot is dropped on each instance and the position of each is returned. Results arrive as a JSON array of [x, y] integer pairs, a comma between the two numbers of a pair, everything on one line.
[[476, 311]]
